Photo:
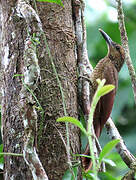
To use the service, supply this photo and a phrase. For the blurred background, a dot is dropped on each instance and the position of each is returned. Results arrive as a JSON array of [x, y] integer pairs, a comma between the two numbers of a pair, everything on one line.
[[102, 14]]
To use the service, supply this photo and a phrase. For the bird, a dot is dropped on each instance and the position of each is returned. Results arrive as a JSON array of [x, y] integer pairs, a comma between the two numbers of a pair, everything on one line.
[[108, 69]]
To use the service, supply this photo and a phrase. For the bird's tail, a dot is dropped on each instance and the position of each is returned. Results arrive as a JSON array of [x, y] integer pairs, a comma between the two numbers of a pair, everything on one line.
[[86, 162]]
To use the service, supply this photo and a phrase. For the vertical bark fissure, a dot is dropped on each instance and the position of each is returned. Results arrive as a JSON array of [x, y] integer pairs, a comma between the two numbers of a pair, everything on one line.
[[31, 78], [12, 61], [25, 62]]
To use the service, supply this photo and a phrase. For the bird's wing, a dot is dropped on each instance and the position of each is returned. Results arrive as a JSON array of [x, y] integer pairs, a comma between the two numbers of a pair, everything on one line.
[[104, 106]]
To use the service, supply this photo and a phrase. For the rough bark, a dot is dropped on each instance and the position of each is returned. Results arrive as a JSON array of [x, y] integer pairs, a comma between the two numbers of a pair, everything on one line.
[[0, 53], [19, 107], [59, 29]]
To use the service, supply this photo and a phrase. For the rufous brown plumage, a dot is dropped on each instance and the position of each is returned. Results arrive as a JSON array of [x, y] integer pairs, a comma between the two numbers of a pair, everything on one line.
[[108, 69]]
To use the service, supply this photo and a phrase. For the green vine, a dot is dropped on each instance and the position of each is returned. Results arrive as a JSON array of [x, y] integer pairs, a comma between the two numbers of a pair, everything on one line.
[[37, 101], [61, 91], [101, 91]]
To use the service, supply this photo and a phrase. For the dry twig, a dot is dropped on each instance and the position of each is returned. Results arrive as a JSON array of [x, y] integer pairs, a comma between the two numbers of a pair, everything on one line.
[[124, 40], [126, 156]]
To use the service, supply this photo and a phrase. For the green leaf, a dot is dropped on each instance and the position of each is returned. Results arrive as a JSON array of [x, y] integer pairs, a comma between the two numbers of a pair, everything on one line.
[[68, 175], [106, 176], [73, 121], [82, 155], [105, 89], [1, 148], [109, 161], [107, 148], [102, 82], [18, 75], [1, 156], [59, 2], [89, 175]]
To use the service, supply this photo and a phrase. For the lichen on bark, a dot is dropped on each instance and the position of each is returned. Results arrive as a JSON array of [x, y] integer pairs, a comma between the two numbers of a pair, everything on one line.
[[20, 113]]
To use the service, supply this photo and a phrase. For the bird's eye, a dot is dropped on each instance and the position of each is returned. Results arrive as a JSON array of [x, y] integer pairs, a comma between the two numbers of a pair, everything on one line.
[[117, 47]]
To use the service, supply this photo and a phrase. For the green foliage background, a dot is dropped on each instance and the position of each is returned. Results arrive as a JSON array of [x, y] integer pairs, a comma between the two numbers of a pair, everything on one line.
[[123, 113]]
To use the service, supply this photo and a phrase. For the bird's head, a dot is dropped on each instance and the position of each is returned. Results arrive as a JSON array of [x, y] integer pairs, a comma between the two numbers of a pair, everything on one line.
[[115, 51]]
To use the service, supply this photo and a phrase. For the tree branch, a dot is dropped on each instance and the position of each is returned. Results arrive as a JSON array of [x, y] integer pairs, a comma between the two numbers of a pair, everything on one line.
[[126, 156], [129, 175], [124, 40], [84, 66]]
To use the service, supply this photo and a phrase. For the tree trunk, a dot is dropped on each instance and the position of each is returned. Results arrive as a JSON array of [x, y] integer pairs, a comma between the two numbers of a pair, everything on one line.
[[32, 99]]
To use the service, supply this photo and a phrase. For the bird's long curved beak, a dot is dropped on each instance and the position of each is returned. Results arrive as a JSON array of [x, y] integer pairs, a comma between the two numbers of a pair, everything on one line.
[[106, 37]]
